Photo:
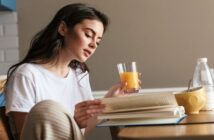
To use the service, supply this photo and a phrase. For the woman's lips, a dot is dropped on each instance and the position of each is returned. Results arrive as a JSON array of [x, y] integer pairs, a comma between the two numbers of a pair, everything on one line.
[[87, 53]]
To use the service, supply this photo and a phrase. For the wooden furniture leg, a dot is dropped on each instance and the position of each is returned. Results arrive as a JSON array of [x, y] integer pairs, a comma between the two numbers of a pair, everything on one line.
[[114, 132]]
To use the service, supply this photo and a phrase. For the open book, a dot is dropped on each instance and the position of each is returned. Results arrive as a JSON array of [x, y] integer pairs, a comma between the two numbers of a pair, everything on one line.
[[141, 109]]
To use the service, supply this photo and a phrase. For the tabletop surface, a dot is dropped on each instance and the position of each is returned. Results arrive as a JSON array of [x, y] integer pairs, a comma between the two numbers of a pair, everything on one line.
[[200, 125]]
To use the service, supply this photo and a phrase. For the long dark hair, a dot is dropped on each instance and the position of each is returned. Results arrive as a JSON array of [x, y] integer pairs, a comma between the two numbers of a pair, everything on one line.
[[46, 44]]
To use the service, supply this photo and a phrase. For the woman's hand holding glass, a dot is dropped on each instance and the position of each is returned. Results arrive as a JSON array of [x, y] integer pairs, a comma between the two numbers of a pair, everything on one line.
[[86, 110], [120, 89], [115, 90]]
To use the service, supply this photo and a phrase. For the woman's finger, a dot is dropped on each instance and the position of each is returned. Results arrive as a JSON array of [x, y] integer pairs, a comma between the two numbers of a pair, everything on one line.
[[89, 109], [88, 102], [83, 118]]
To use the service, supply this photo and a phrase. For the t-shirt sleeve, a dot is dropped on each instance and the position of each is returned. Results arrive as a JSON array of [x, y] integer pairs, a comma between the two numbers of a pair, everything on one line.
[[20, 94]]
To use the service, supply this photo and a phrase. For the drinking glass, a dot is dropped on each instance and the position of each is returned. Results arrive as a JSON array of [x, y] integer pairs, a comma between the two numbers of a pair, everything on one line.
[[129, 76]]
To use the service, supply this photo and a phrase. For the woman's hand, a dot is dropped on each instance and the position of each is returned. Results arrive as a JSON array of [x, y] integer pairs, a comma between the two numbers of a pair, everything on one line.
[[116, 90], [86, 110], [119, 89]]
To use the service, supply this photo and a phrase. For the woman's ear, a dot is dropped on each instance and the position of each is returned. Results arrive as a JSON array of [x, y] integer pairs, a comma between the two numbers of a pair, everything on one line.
[[62, 29]]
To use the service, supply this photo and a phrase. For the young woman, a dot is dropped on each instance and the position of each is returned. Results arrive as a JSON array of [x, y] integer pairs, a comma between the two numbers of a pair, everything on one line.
[[48, 95]]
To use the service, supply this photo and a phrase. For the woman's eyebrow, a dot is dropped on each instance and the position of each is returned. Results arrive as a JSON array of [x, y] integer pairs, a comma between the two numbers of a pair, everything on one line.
[[94, 33]]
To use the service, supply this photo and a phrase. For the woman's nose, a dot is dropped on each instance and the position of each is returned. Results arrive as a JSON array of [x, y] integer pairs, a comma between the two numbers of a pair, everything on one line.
[[93, 44]]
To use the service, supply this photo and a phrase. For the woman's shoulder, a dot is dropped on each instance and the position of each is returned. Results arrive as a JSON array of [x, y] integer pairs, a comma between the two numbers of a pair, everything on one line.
[[26, 69]]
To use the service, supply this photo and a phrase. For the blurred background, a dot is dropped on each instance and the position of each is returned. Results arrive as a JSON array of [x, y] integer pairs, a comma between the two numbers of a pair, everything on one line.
[[164, 37]]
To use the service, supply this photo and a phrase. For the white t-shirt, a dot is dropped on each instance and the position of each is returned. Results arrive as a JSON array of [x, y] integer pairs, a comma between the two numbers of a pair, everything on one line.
[[31, 83]]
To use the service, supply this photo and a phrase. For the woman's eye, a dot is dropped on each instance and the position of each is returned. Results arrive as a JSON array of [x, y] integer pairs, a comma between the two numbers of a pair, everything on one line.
[[88, 35], [98, 43]]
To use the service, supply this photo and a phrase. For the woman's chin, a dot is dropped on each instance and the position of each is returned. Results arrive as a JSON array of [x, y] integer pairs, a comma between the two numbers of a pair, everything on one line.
[[82, 60]]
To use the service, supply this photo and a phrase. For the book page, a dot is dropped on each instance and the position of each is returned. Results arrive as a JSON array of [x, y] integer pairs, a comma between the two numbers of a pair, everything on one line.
[[139, 100], [172, 112]]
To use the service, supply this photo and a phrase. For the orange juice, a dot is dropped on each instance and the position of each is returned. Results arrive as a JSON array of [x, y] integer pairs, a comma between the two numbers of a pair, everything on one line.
[[131, 78]]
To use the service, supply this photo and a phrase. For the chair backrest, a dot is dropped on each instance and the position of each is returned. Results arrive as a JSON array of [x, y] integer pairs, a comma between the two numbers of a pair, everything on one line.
[[6, 124]]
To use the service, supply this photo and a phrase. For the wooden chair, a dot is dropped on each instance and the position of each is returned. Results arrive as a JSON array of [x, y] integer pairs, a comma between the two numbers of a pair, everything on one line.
[[3, 133], [5, 127], [6, 124]]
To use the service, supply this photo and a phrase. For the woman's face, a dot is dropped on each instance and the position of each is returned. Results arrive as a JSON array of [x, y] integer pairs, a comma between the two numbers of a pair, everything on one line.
[[82, 41]]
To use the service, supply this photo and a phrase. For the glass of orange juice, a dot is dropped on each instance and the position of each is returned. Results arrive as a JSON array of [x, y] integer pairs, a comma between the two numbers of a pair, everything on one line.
[[129, 76]]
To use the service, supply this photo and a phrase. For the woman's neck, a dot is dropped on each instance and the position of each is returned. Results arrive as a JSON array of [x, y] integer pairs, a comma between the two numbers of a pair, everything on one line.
[[59, 66]]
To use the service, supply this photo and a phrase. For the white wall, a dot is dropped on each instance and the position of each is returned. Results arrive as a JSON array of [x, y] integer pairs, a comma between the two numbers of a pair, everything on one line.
[[9, 48], [165, 37]]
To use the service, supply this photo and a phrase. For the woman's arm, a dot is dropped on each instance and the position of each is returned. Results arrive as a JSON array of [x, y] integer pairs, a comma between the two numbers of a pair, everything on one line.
[[18, 119]]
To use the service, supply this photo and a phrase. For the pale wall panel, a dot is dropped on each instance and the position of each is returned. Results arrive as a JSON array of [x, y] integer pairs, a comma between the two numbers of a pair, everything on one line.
[[165, 37]]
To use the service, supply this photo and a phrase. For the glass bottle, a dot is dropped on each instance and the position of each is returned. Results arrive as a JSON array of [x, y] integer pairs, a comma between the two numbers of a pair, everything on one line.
[[202, 77]]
